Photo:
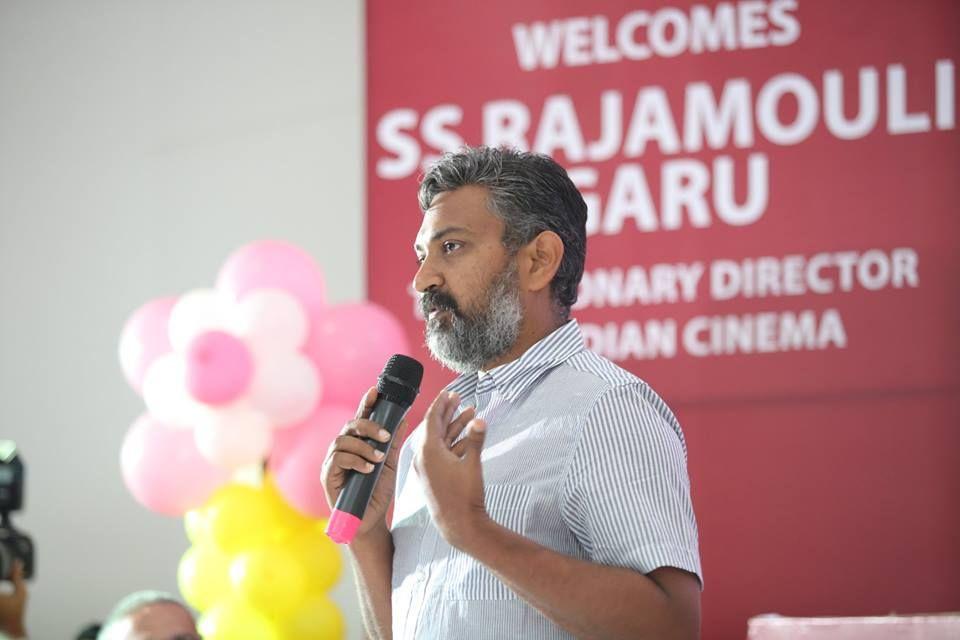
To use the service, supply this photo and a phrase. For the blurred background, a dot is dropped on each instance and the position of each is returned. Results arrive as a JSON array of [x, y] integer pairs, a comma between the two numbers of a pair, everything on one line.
[[141, 142]]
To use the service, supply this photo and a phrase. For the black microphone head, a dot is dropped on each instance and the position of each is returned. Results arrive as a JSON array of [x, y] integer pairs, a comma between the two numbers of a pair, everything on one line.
[[400, 380]]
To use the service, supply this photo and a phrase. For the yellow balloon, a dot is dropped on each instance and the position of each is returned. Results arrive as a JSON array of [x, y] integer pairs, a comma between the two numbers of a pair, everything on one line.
[[204, 576], [319, 557], [317, 619], [236, 620], [287, 521], [195, 523], [239, 517], [270, 578]]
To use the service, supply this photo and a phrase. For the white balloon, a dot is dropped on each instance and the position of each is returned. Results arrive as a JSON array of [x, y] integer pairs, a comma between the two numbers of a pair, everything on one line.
[[285, 386], [234, 437], [196, 312], [166, 396], [271, 320]]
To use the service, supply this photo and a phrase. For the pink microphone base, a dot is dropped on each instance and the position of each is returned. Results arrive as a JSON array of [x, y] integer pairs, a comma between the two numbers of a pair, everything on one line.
[[342, 526]]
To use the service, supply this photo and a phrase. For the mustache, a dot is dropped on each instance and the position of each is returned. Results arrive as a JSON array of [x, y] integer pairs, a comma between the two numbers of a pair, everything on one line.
[[437, 300]]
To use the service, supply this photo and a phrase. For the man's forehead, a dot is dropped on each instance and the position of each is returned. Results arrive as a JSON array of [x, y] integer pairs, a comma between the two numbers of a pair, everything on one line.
[[463, 210], [428, 235]]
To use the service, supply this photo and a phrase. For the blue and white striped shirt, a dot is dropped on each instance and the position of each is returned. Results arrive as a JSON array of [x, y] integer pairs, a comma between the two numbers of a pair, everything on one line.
[[581, 457]]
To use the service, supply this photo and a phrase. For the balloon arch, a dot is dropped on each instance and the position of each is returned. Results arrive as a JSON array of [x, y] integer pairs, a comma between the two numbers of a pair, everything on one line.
[[245, 386]]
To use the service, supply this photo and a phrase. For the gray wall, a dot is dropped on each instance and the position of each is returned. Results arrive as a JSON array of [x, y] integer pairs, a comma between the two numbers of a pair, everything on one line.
[[141, 141]]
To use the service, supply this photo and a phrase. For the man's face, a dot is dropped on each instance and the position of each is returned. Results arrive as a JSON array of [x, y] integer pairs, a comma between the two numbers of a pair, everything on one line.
[[157, 621], [468, 282]]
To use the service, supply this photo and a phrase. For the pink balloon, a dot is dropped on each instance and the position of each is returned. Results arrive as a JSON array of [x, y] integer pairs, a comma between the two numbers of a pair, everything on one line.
[[219, 367], [234, 437], [350, 344], [144, 339], [163, 469], [274, 265], [297, 458], [286, 387]]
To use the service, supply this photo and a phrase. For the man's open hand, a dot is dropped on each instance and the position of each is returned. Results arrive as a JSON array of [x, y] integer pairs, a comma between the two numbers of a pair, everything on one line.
[[450, 469]]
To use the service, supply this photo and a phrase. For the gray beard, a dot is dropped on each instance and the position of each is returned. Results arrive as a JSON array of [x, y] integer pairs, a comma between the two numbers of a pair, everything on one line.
[[466, 343]]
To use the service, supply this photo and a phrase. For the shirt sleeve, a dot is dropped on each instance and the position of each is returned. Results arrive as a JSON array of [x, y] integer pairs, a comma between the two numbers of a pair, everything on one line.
[[627, 492]]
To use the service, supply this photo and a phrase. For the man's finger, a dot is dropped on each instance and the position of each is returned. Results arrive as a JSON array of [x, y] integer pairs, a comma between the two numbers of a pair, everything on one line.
[[350, 444], [350, 462], [452, 404], [436, 425], [457, 426], [363, 428], [459, 448], [366, 404], [398, 437], [476, 434]]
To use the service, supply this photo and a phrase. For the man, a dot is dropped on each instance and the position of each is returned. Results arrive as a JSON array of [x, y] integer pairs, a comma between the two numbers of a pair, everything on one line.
[[149, 615], [13, 604], [546, 494]]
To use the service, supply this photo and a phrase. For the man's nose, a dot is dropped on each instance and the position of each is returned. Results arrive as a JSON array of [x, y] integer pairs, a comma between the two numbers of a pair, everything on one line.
[[427, 277]]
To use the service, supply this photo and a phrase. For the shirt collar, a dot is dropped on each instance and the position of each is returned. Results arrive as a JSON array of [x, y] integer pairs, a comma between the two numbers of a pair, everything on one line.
[[513, 378]]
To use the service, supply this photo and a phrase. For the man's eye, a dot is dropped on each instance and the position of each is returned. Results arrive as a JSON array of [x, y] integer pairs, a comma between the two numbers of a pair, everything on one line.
[[420, 260], [450, 246]]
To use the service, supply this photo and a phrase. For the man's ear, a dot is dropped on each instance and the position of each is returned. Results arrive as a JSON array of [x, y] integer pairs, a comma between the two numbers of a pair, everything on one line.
[[540, 259]]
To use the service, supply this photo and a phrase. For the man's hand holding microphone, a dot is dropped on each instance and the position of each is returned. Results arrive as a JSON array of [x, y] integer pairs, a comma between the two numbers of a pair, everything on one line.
[[351, 451], [363, 451]]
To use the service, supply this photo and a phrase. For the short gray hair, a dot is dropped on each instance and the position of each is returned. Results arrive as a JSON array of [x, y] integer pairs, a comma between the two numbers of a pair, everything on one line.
[[531, 193], [134, 602]]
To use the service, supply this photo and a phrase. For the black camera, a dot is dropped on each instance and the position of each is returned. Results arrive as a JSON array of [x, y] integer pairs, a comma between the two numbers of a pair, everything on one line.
[[14, 545]]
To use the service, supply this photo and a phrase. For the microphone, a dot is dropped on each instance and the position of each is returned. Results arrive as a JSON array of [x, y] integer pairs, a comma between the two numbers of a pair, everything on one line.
[[397, 388]]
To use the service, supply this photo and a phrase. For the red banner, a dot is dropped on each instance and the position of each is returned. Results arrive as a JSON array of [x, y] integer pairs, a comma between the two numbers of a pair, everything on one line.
[[773, 240]]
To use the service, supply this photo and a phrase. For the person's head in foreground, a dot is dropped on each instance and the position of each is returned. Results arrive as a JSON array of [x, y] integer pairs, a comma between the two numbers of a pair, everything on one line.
[[149, 615], [501, 252]]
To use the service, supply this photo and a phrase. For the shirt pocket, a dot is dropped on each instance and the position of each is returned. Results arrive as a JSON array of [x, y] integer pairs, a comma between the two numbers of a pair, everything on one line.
[[408, 536], [466, 578]]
